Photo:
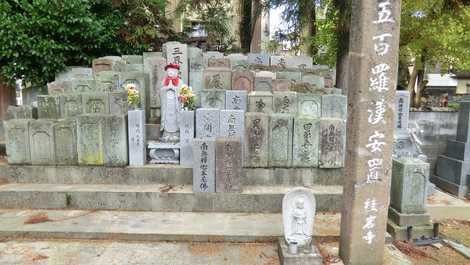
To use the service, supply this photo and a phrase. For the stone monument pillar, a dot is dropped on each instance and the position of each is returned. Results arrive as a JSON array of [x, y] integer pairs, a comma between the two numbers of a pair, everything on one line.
[[373, 68]]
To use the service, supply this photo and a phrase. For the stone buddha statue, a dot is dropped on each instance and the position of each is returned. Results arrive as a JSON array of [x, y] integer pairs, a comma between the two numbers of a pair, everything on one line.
[[170, 105]]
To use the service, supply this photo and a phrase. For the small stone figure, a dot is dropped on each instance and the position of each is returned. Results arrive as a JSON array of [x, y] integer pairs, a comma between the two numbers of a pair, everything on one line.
[[170, 105], [298, 213]]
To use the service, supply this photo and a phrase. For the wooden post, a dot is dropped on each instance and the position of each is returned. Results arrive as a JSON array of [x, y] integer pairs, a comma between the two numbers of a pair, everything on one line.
[[373, 68]]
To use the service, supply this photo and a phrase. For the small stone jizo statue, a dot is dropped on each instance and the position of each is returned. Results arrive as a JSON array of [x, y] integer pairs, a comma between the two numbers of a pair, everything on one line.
[[298, 213], [170, 105]]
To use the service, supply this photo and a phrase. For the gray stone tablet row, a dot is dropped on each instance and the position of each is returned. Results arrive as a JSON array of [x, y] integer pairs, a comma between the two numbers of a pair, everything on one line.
[[278, 139], [84, 140], [72, 105], [313, 105]]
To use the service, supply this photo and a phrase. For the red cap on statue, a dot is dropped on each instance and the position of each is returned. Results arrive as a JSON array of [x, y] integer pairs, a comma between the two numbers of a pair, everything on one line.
[[173, 66]]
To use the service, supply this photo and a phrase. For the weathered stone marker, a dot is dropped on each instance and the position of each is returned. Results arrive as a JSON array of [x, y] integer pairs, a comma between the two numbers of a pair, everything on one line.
[[136, 130], [186, 137], [204, 165], [280, 140], [373, 53], [228, 169], [256, 139], [41, 141]]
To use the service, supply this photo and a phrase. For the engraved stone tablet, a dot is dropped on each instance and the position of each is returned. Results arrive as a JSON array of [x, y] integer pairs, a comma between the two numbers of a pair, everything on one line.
[[213, 99], [306, 137], [17, 141], [236, 100], [229, 169], [65, 136], [204, 165], [260, 101], [280, 140], [285, 102], [309, 105], [41, 141], [207, 123], [256, 140], [332, 143]]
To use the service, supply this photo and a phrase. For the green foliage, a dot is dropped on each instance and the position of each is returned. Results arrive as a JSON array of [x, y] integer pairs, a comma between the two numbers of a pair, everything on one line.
[[436, 30], [454, 106], [214, 16], [326, 39], [39, 38]]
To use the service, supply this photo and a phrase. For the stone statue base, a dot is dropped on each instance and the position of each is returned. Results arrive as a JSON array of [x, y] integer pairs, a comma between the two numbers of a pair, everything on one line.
[[305, 256], [164, 153], [168, 137]]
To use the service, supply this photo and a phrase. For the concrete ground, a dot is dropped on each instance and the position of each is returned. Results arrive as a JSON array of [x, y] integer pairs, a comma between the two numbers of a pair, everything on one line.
[[117, 253], [161, 253]]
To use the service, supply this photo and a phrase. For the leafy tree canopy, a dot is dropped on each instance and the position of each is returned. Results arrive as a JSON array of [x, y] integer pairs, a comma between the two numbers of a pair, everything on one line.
[[39, 38]]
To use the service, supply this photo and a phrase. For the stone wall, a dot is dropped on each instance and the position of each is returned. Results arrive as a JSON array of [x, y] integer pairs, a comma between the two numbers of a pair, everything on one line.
[[435, 128]]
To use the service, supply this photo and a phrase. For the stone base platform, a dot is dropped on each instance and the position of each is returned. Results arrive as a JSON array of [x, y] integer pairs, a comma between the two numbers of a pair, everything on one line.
[[418, 231], [158, 197], [162, 174], [408, 219], [460, 191], [154, 226], [311, 258]]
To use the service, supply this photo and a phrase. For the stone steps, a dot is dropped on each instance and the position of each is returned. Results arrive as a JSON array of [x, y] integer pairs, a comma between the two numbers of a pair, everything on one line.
[[153, 226], [162, 174], [157, 197]]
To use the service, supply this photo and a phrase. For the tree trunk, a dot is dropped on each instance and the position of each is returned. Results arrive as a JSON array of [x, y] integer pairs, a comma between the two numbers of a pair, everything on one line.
[[245, 31], [412, 83], [308, 23], [342, 31]]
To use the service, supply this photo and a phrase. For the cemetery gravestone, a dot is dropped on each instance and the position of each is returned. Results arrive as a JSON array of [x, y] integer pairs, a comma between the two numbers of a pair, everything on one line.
[[59, 87], [258, 59], [107, 81], [219, 63], [48, 107], [118, 104], [83, 86], [334, 106], [309, 105], [332, 143], [71, 105], [263, 83], [260, 101], [281, 85], [217, 78], [280, 140], [186, 137], [213, 99], [204, 165], [256, 139], [136, 128], [115, 140], [196, 67], [210, 55], [228, 165], [243, 80], [17, 141], [293, 76], [97, 103], [65, 142], [41, 142], [299, 62], [236, 100], [232, 124], [90, 145], [285, 102], [155, 68], [306, 140], [177, 53], [207, 123], [19, 112]]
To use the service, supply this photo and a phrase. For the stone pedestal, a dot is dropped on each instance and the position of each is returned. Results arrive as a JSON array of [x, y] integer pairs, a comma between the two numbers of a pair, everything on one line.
[[417, 231], [164, 153], [312, 257]]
